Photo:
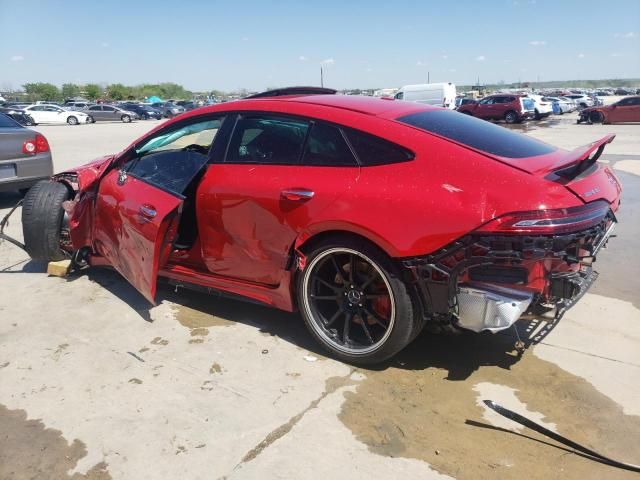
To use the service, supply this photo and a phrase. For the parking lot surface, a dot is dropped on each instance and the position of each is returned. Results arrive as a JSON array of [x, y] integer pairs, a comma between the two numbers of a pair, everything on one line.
[[97, 384]]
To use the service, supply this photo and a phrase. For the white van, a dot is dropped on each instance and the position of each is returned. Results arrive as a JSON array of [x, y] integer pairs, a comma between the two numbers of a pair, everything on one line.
[[440, 94]]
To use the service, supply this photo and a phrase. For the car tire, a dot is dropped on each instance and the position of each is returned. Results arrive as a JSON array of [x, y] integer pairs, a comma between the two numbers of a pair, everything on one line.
[[42, 216], [536, 115], [511, 117], [596, 117], [353, 270], [72, 120], [125, 119], [91, 119]]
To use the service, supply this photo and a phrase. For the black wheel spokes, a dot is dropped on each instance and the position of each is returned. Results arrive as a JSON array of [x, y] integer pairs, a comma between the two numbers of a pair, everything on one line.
[[355, 286]]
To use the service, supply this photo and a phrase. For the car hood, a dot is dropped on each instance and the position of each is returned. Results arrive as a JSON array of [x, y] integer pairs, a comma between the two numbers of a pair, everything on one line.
[[88, 173]]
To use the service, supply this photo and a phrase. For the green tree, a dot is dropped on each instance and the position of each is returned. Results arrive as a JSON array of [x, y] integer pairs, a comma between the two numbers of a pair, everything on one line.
[[41, 91], [118, 91], [92, 91], [70, 90]]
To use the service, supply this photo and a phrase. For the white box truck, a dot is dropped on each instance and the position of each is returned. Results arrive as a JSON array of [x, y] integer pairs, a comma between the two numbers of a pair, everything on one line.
[[439, 94]]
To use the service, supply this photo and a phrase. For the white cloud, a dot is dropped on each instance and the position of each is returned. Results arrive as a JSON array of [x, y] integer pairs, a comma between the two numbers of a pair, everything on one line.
[[626, 35], [480, 58], [616, 54], [537, 43], [302, 58], [444, 57], [420, 63], [581, 55], [17, 58], [452, 70], [104, 45], [369, 69], [328, 61], [245, 39]]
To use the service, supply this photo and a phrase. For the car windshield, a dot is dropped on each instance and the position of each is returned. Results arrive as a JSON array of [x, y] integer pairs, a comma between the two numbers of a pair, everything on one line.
[[477, 133]]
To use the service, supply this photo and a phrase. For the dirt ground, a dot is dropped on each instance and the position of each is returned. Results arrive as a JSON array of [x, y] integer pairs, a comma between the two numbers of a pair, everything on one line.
[[97, 384]]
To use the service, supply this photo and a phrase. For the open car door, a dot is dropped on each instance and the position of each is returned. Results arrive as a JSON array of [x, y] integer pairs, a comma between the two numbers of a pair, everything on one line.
[[138, 207], [135, 226]]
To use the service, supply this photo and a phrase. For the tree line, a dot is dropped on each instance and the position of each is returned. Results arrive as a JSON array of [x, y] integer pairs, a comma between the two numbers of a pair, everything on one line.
[[92, 91]]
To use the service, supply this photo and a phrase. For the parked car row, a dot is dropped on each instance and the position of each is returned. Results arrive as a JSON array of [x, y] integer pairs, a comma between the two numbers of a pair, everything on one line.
[[515, 108]]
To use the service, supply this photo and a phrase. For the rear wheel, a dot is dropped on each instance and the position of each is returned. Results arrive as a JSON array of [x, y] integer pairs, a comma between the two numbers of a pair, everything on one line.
[[42, 217], [91, 119], [72, 120], [511, 117], [354, 303], [125, 118]]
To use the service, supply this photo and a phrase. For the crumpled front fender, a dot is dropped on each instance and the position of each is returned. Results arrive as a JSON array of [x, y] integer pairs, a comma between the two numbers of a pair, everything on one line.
[[84, 181]]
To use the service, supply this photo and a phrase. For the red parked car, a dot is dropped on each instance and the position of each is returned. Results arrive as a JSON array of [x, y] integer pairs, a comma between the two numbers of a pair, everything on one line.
[[625, 110], [508, 107], [371, 217]]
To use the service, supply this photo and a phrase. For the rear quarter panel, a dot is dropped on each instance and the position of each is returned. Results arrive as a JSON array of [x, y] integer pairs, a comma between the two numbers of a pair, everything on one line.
[[416, 207]]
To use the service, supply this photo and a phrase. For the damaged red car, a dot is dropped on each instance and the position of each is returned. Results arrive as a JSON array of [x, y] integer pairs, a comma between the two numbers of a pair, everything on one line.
[[371, 217]]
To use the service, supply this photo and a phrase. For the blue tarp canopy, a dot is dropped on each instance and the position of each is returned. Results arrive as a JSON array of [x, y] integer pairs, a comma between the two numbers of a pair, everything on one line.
[[154, 99]]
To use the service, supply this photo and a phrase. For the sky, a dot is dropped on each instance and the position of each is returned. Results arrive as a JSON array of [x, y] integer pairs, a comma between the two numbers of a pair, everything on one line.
[[227, 45]]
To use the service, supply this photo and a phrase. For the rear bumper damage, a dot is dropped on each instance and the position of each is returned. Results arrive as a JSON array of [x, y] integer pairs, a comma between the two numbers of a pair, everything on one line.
[[486, 282]]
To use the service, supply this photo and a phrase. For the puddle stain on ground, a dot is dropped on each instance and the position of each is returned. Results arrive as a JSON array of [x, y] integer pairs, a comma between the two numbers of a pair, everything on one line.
[[199, 332], [419, 407], [215, 368], [28, 449], [159, 341]]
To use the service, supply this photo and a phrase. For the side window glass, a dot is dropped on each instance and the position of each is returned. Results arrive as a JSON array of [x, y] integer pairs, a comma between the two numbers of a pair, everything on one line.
[[267, 139], [94, 108], [372, 150], [108, 109], [172, 159], [326, 146]]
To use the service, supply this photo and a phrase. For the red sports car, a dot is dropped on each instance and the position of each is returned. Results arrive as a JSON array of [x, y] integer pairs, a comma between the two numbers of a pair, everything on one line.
[[371, 217]]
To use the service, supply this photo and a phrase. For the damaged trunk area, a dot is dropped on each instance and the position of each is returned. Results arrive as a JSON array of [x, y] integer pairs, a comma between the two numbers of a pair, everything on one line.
[[486, 281]]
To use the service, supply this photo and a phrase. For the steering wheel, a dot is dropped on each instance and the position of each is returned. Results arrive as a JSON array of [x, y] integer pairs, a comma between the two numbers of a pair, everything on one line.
[[194, 147]]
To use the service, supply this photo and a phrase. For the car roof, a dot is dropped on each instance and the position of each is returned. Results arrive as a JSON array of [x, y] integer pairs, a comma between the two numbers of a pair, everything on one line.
[[387, 108]]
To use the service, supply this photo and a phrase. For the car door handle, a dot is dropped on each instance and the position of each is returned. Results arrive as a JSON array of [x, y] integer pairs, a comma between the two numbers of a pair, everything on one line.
[[148, 211], [297, 194]]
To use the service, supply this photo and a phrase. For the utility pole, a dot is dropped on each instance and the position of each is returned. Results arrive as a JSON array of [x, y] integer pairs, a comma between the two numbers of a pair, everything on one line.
[[321, 77], [428, 76]]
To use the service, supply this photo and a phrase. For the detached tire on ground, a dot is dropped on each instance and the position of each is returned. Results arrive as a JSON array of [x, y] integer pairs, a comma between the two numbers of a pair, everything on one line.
[[42, 216], [354, 302]]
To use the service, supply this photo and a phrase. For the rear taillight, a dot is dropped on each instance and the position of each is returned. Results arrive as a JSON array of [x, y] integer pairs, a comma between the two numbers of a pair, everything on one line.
[[36, 145], [549, 222], [41, 143]]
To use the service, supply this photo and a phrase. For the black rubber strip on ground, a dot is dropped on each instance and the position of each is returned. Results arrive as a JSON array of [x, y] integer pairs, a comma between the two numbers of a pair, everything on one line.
[[505, 412]]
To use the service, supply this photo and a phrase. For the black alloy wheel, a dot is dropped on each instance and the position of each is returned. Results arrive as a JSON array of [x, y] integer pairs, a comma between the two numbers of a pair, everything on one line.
[[354, 303]]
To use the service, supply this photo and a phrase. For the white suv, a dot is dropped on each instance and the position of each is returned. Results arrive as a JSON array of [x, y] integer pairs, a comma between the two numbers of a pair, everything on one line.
[[543, 108]]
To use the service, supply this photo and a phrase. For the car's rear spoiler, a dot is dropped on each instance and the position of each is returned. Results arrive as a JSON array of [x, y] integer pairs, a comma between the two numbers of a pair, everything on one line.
[[580, 159]]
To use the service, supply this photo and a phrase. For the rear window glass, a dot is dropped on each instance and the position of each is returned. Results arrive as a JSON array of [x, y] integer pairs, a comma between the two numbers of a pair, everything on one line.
[[7, 122], [478, 134], [372, 150]]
